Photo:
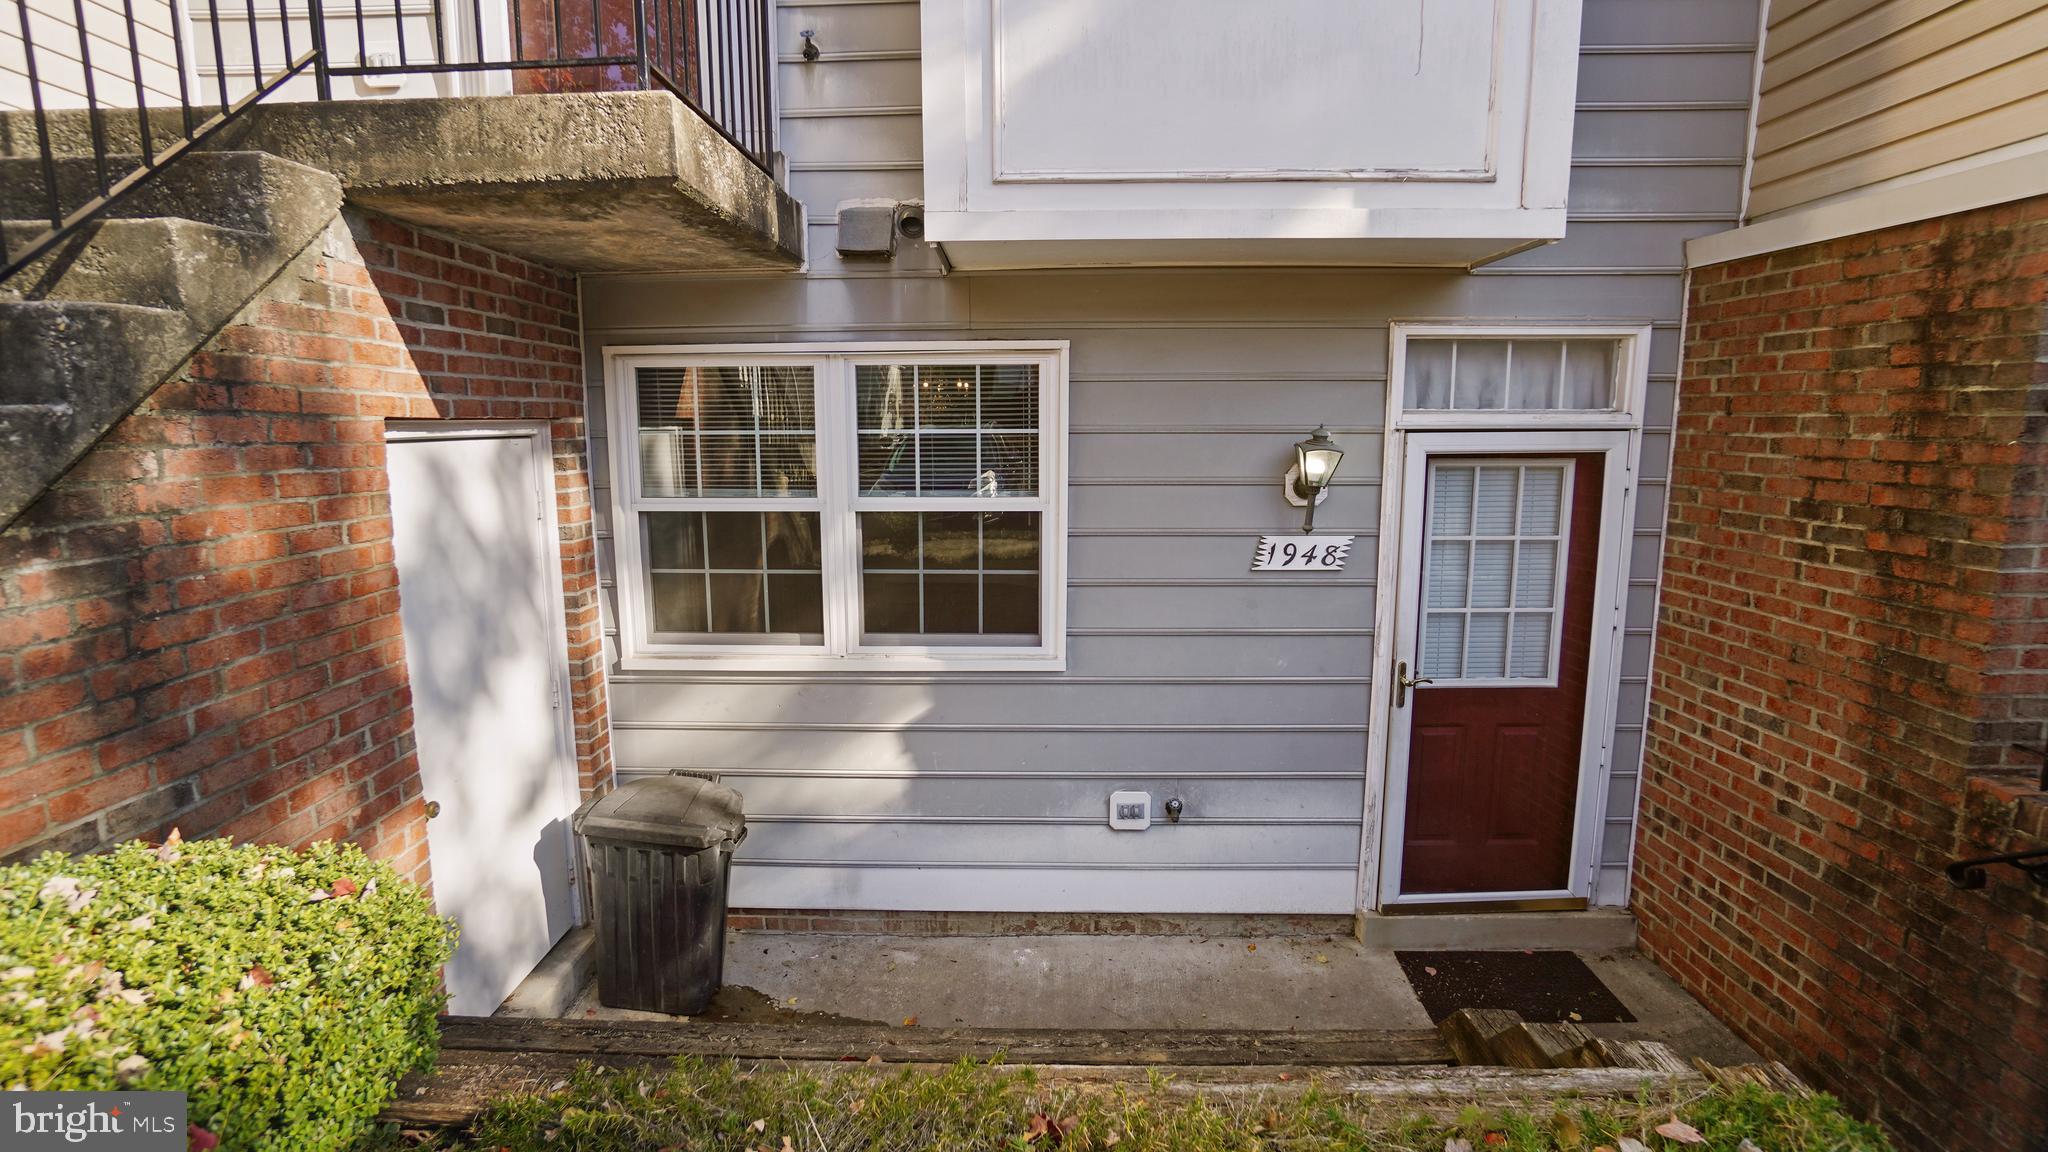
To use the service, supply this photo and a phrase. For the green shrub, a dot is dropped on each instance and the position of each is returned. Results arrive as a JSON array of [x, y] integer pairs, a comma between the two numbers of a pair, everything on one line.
[[285, 992]]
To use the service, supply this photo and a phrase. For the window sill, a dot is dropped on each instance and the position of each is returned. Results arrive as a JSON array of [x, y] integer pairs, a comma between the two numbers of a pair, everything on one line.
[[856, 662]]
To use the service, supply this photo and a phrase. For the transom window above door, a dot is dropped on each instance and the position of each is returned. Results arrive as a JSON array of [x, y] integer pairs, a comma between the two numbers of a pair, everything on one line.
[[884, 505], [1492, 564], [1517, 376]]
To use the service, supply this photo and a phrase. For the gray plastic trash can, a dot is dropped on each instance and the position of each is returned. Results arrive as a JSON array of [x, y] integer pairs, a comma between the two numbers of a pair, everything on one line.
[[660, 851]]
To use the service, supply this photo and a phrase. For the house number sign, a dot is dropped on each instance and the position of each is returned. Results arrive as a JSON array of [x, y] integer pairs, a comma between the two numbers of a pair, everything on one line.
[[1303, 553]]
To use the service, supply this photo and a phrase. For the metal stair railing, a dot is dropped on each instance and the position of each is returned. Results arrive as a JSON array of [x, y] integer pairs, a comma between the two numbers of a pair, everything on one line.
[[133, 85]]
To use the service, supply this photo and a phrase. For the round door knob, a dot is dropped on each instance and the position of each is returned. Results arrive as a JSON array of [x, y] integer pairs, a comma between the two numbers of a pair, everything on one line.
[[433, 809]]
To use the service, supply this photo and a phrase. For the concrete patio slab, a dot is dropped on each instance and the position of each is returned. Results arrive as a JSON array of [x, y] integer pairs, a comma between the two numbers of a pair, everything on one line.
[[1150, 982]]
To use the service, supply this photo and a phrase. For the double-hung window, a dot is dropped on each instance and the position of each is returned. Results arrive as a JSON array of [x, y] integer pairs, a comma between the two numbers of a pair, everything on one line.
[[897, 506]]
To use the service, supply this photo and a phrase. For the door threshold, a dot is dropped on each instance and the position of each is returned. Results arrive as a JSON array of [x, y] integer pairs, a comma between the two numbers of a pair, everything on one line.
[[1590, 930], [1461, 907]]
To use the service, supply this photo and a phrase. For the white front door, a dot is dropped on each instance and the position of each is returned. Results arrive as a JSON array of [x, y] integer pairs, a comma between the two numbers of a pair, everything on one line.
[[479, 595]]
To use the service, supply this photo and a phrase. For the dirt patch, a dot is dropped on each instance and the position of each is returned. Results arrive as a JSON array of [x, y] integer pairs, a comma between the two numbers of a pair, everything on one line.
[[737, 1004]]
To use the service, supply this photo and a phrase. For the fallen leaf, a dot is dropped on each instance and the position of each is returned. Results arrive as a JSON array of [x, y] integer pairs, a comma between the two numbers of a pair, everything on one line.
[[1574, 1016], [875, 1059], [198, 1139], [1679, 1130], [1321, 958], [787, 1146], [167, 852], [131, 1069], [1565, 1131], [1286, 1076], [1429, 970], [1112, 1140], [256, 978], [1747, 1145], [1035, 1127], [1631, 1144], [910, 1021], [1496, 1138], [1251, 947], [342, 887], [760, 1125], [1457, 1144]]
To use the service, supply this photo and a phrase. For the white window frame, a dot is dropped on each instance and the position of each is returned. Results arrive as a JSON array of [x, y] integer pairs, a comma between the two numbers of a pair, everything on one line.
[[1631, 366], [838, 506]]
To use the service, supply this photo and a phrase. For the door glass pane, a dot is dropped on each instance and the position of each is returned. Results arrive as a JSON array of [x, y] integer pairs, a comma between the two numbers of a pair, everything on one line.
[[950, 578], [734, 577], [1493, 509], [1449, 575], [1493, 563], [1486, 644], [1443, 645], [1491, 593], [727, 430]]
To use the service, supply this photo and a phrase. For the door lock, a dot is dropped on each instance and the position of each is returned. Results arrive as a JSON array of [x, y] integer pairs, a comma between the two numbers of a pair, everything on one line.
[[1403, 682]]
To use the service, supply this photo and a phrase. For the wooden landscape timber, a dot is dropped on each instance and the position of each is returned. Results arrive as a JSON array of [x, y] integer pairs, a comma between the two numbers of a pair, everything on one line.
[[1474, 1056]]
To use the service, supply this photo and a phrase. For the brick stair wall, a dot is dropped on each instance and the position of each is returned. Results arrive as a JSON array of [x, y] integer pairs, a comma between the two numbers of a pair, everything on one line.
[[1852, 628], [199, 622]]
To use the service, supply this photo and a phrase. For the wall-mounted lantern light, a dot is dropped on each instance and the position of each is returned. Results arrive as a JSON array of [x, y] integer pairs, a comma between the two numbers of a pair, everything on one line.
[[1308, 482]]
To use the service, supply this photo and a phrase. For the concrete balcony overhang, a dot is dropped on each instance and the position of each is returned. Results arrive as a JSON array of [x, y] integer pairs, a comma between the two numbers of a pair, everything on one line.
[[591, 182], [586, 182]]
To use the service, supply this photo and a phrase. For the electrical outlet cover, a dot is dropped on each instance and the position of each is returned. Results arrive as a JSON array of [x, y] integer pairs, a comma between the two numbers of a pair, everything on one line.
[[1130, 811]]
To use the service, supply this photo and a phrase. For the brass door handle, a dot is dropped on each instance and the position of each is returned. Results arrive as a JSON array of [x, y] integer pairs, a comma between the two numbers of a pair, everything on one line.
[[433, 809], [1403, 682]]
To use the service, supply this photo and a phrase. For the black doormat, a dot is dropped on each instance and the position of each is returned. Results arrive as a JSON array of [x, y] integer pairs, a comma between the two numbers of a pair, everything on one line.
[[1545, 987]]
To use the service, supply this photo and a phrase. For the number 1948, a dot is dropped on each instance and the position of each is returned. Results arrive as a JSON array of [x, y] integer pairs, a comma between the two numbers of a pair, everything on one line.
[[1301, 553]]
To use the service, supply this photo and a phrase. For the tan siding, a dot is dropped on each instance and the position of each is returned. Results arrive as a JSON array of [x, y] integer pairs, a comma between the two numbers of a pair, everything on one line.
[[2022, 41], [1856, 92]]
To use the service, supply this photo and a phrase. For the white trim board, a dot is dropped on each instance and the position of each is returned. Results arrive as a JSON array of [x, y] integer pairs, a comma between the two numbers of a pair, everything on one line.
[[2013, 178]]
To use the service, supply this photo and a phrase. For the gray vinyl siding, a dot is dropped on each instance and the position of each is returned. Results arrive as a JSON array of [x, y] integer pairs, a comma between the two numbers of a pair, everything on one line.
[[1186, 676]]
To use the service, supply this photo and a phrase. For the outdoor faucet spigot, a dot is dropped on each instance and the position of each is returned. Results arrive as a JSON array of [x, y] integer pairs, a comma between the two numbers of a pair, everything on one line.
[[1173, 808]]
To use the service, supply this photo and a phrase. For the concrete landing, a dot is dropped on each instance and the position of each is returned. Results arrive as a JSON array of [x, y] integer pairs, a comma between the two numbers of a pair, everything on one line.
[[1148, 982]]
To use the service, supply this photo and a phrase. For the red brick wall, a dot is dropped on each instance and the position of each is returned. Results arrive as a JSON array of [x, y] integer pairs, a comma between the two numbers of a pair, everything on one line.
[[199, 623], [1852, 618]]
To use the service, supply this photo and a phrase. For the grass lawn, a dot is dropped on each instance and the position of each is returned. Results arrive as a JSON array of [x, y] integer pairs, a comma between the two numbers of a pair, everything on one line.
[[715, 1106]]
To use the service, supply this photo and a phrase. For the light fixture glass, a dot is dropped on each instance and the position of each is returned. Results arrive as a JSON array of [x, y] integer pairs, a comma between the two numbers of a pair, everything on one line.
[[1315, 462]]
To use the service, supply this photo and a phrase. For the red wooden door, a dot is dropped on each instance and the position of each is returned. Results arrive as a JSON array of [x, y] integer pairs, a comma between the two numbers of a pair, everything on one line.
[[1493, 764]]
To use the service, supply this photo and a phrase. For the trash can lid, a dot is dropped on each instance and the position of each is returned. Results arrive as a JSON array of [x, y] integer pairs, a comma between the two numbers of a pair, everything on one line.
[[676, 810]]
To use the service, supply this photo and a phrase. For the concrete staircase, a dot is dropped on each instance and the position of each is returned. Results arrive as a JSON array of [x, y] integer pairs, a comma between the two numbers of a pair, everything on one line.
[[90, 329]]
